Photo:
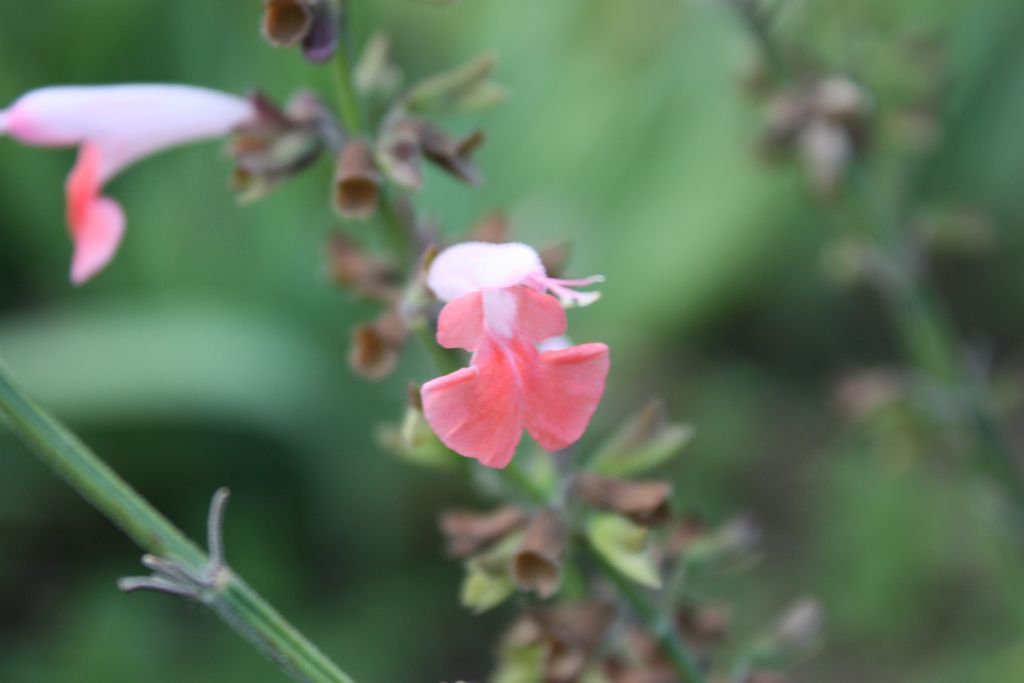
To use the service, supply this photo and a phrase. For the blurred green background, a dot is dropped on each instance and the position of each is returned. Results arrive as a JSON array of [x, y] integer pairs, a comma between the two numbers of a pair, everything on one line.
[[212, 351]]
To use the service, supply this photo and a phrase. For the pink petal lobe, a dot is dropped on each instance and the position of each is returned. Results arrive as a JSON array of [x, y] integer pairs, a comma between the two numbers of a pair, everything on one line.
[[540, 316], [96, 222], [461, 322], [478, 411], [563, 393]]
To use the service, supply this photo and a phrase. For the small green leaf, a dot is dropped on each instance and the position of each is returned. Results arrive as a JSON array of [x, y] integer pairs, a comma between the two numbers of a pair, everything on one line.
[[488, 581], [644, 442], [624, 546], [415, 443], [485, 587], [464, 88]]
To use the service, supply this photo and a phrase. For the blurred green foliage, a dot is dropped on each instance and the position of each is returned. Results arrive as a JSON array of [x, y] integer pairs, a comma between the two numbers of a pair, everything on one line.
[[212, 352]]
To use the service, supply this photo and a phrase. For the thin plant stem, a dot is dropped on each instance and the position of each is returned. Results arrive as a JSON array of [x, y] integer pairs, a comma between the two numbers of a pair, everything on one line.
[[656, 622], [926, 332], [229, 597], [348, 101], [447, 361]]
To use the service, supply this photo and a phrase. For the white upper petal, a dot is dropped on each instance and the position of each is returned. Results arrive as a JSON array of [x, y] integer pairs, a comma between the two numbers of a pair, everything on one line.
[[473, 266], [126, 122]]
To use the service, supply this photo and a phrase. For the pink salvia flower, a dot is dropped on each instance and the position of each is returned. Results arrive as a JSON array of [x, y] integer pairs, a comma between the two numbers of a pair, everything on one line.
[[114, 126], [498, 308]]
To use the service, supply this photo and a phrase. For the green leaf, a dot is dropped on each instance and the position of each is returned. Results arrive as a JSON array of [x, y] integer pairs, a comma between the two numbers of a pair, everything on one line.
[[462, 89], [644, 442], [624, 546], [488, 581]]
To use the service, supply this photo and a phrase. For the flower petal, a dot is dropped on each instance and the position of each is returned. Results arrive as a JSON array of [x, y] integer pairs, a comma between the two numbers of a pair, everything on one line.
[[126, 122], [461, 322], [96, 222], [472, 266], [563, 394], [477, 411]]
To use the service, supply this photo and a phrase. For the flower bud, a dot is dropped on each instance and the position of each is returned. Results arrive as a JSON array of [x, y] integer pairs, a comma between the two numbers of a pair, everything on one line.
[[399, 153], [827, 150], [367, 275], [451, 154], [572, 633], [276, 145], [800, 626], [357, 182], [537, 564], [321, 40], [644, 502], [840, 99], [468, 532], [287, 22], [376, 346], [310, 23]]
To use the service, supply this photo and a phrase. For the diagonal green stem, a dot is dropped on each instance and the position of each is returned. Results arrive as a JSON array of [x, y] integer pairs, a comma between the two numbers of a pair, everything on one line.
[[656, 623], [231, 598]]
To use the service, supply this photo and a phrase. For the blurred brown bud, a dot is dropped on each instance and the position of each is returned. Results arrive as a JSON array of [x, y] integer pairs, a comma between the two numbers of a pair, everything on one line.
[[274, 146], [356, 182], [452, 154], [287, 22], [494, 227], [864, 394], [827, 150], [785, 116], [537, 564], [321, 40], [572, 633], [307, 22], [705, 626], [840, 99], [800, 627], [467, 533], [644, 502], [367, 275], [683, 533], [399, 154], [376, 346]]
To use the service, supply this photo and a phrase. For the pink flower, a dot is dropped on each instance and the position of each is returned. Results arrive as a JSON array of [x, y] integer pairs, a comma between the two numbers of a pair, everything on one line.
[[500, 310], [114, 126]]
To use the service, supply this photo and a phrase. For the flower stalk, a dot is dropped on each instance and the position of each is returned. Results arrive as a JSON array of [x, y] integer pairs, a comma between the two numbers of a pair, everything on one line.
[[676, 651], [227, 594], [926, 331]]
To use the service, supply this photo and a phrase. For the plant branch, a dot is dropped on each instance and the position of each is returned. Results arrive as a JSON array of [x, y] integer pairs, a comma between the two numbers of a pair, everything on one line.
[[226, 594], [927, 334], [656, 622]]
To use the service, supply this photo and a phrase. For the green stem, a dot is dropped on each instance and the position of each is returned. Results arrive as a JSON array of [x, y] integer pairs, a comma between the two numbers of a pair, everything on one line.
[[232, 599], [927, 335], [657, 624], [348, 103]]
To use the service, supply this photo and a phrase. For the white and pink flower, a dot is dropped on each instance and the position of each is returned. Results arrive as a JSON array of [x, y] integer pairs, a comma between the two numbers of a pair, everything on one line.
[[113, 127], [500, 309]]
